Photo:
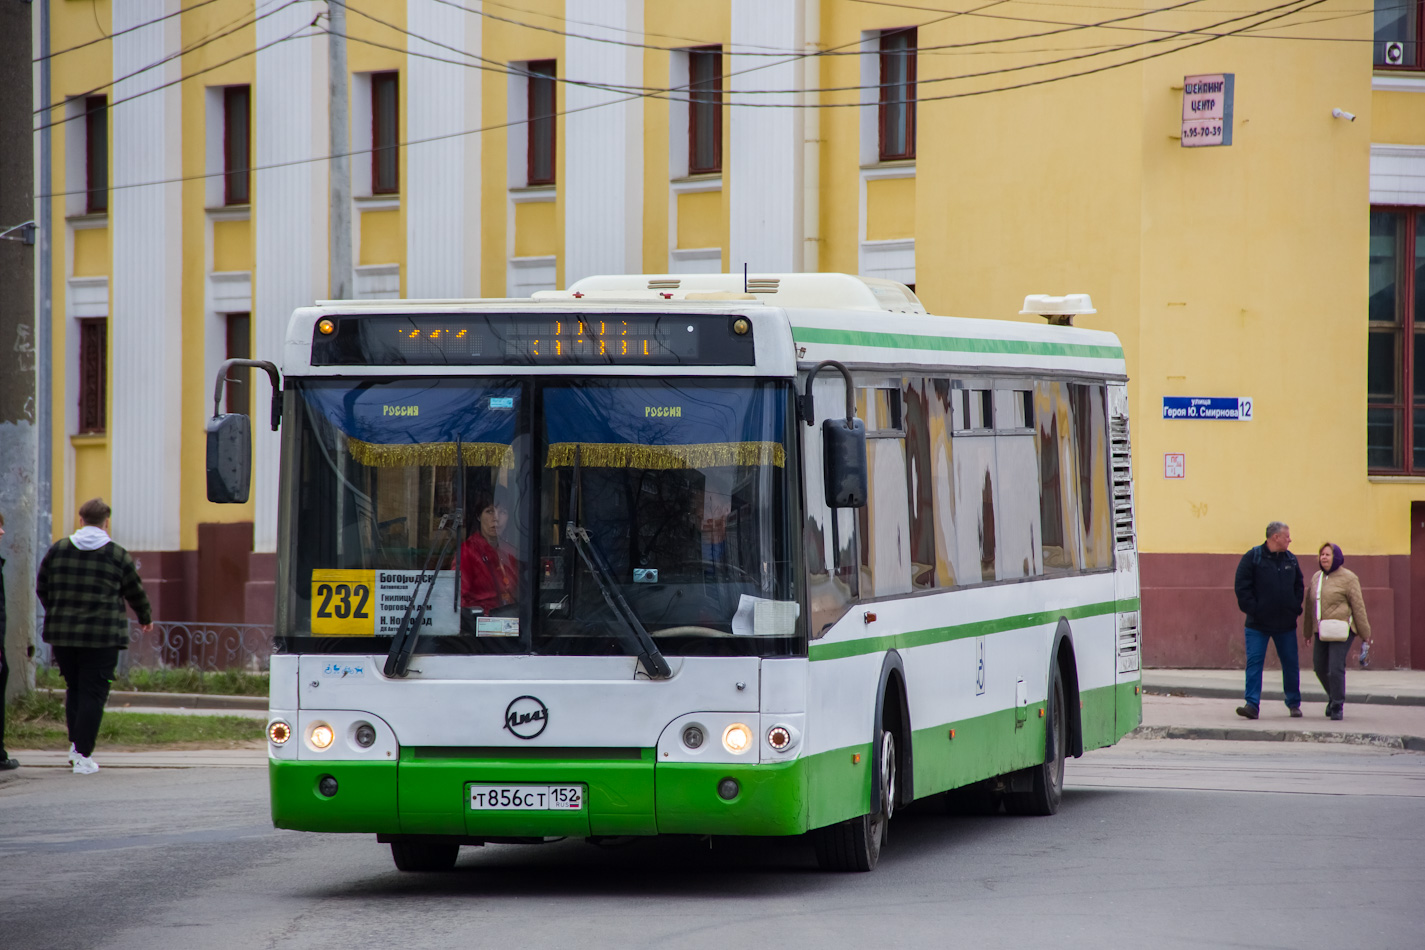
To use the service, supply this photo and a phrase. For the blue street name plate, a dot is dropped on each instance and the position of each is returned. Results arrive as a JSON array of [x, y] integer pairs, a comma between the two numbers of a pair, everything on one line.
[[1236, 408]]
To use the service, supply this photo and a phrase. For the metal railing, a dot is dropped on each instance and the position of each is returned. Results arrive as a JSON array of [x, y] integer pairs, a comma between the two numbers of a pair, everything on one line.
[[209, 647]]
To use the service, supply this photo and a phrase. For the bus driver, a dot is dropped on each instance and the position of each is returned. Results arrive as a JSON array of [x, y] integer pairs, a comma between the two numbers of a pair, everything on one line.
[[489, 572]]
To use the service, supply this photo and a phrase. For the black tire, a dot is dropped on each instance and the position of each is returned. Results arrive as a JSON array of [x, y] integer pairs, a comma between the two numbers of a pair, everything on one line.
[[424, 855], [981, 798], [1047, 780], [855, 845]]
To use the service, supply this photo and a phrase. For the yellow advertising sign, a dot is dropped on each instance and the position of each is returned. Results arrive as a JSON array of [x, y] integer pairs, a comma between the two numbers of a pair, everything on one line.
[[344, 603]]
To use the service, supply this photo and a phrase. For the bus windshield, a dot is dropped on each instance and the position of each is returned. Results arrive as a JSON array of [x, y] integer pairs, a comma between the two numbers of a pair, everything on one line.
[[476, 495]]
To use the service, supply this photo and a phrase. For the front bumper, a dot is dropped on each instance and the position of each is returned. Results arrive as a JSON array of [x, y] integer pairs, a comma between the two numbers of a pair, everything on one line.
[[628, 793]]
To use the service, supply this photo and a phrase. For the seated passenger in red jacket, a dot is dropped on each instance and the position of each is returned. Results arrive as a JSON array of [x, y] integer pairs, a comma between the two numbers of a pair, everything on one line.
[[489, 572]]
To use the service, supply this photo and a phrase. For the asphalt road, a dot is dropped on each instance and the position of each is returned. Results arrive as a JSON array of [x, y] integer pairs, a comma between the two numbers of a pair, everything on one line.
[[1160, 843]]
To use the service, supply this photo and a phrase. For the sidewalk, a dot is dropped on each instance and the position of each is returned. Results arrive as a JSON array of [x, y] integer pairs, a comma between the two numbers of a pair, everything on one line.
[[1394, 687]]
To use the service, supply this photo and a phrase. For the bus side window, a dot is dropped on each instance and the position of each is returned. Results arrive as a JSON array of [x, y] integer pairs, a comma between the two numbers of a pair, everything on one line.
[[1018, 551], [975, 482], [1058, 479], [1091, 452], [915, 419], [940, 420], [829, 534], [884, 523]]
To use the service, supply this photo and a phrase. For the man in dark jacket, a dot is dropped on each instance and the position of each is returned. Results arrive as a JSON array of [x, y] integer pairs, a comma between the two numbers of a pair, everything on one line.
[[6, 763], [1269, 591], [83, 584]]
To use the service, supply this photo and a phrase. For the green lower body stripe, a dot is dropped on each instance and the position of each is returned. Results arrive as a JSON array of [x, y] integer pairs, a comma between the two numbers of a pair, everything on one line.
[[641, 796]]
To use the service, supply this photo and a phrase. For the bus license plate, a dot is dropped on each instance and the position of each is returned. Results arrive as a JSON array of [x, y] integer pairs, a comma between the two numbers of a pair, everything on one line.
[[526, 797]]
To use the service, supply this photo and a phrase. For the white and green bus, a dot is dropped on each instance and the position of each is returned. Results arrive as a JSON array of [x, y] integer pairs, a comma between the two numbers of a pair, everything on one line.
[[693, 555]]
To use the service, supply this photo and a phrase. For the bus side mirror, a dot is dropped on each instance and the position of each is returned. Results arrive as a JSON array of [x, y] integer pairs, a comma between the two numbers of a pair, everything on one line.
[[843, 445], [229, 458]]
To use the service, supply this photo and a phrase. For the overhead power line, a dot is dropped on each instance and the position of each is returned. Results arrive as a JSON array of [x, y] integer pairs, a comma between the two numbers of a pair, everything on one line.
[[729, 96], [223, 32], [198, 72], [127, 29], [1296, 5]]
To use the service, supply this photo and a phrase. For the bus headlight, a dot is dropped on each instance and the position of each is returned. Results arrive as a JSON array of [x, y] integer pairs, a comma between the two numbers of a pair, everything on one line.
[[737, 738], [321, 736], [278, 732], [693, 736], [364, 735]]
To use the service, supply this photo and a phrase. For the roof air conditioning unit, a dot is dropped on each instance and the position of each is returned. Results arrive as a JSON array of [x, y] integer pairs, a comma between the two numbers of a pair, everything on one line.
[[1395, 53]]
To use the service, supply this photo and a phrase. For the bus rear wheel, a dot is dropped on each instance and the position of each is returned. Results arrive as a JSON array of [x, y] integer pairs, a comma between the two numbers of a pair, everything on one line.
[[855, 845], [1047, 780], [424, 855]]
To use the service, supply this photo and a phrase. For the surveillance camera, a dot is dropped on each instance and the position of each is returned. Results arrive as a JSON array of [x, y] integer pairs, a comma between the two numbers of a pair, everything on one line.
[[1343, 114]]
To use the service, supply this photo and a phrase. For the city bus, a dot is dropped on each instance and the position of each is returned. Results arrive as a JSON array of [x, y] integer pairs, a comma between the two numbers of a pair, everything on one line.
[[697, 555]]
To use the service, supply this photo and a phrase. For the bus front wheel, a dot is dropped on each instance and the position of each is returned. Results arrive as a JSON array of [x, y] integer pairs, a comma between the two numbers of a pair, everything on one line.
[[855, 845], [424, 855]]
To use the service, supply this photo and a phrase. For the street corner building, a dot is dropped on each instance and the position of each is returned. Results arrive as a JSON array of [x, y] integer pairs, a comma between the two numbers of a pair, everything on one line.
[[1241, 192]]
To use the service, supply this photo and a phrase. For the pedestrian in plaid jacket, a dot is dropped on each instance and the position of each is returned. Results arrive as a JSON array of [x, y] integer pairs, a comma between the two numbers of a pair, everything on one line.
[[83, 584]]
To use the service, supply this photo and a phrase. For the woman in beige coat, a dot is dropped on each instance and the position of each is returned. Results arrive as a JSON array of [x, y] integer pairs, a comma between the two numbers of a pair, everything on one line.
[[1340, 599]]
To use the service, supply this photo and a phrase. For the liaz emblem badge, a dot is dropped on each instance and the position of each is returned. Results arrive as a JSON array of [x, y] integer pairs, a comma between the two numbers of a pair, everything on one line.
[[526, 717]]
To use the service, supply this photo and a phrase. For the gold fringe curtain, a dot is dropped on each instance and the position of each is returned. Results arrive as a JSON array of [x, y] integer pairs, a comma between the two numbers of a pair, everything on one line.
[[708, 455], [374, 455]]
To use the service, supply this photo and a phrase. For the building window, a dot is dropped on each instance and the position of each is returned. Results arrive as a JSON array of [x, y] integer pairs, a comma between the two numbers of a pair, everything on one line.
[[237, 145], [93, 374], [96, 154], [541, 122], [898, 94], [705, 110], [1395, 376], [239, 347], [1400, 34], [385, 129]]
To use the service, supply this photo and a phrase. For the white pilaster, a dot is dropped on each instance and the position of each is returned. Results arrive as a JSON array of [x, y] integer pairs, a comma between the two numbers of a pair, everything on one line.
[[442, 180], [145, 319], [603, 147], [289, 216], [767, 149]]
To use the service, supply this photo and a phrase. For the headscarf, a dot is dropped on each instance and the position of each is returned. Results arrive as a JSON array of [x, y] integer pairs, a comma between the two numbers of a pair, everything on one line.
[[1337, 558]]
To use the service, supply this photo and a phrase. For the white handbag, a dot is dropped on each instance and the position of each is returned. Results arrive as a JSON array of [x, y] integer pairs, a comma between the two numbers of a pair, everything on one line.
[[1332, 631]]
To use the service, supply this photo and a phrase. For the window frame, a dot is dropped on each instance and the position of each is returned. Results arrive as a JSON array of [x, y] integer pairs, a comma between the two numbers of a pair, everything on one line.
[[96, 154], [705, 95], [93, 410], [1418, 39], [541, 120], [385, 133], [909, 36], [237, 138], [1406, 404]]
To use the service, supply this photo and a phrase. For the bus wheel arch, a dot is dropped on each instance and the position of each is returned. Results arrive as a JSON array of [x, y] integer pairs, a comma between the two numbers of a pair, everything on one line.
[[892, 715], [1062, 654], [855, 844]]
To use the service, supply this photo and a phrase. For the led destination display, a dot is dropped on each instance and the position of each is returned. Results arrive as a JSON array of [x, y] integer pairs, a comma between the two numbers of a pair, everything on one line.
[[505, 339]]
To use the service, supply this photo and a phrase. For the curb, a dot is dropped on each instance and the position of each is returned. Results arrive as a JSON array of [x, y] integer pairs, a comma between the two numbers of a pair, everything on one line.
[[177, 700], [1276, 695], [1407, 743]]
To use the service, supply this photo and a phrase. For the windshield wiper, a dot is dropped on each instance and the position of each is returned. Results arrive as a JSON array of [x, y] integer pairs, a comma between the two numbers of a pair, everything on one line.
[[653, 661], [403, 644], [648, 653]]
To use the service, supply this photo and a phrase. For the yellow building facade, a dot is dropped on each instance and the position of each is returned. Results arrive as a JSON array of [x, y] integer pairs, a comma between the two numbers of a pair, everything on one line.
[[498, 149]]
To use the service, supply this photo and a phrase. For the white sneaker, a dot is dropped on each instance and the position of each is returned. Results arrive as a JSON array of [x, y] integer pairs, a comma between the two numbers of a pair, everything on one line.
[[84, 765], [73, 754]]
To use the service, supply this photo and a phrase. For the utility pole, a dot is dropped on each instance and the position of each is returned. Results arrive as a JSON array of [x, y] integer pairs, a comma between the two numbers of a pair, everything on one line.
[[341, 271], [20, 398]]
